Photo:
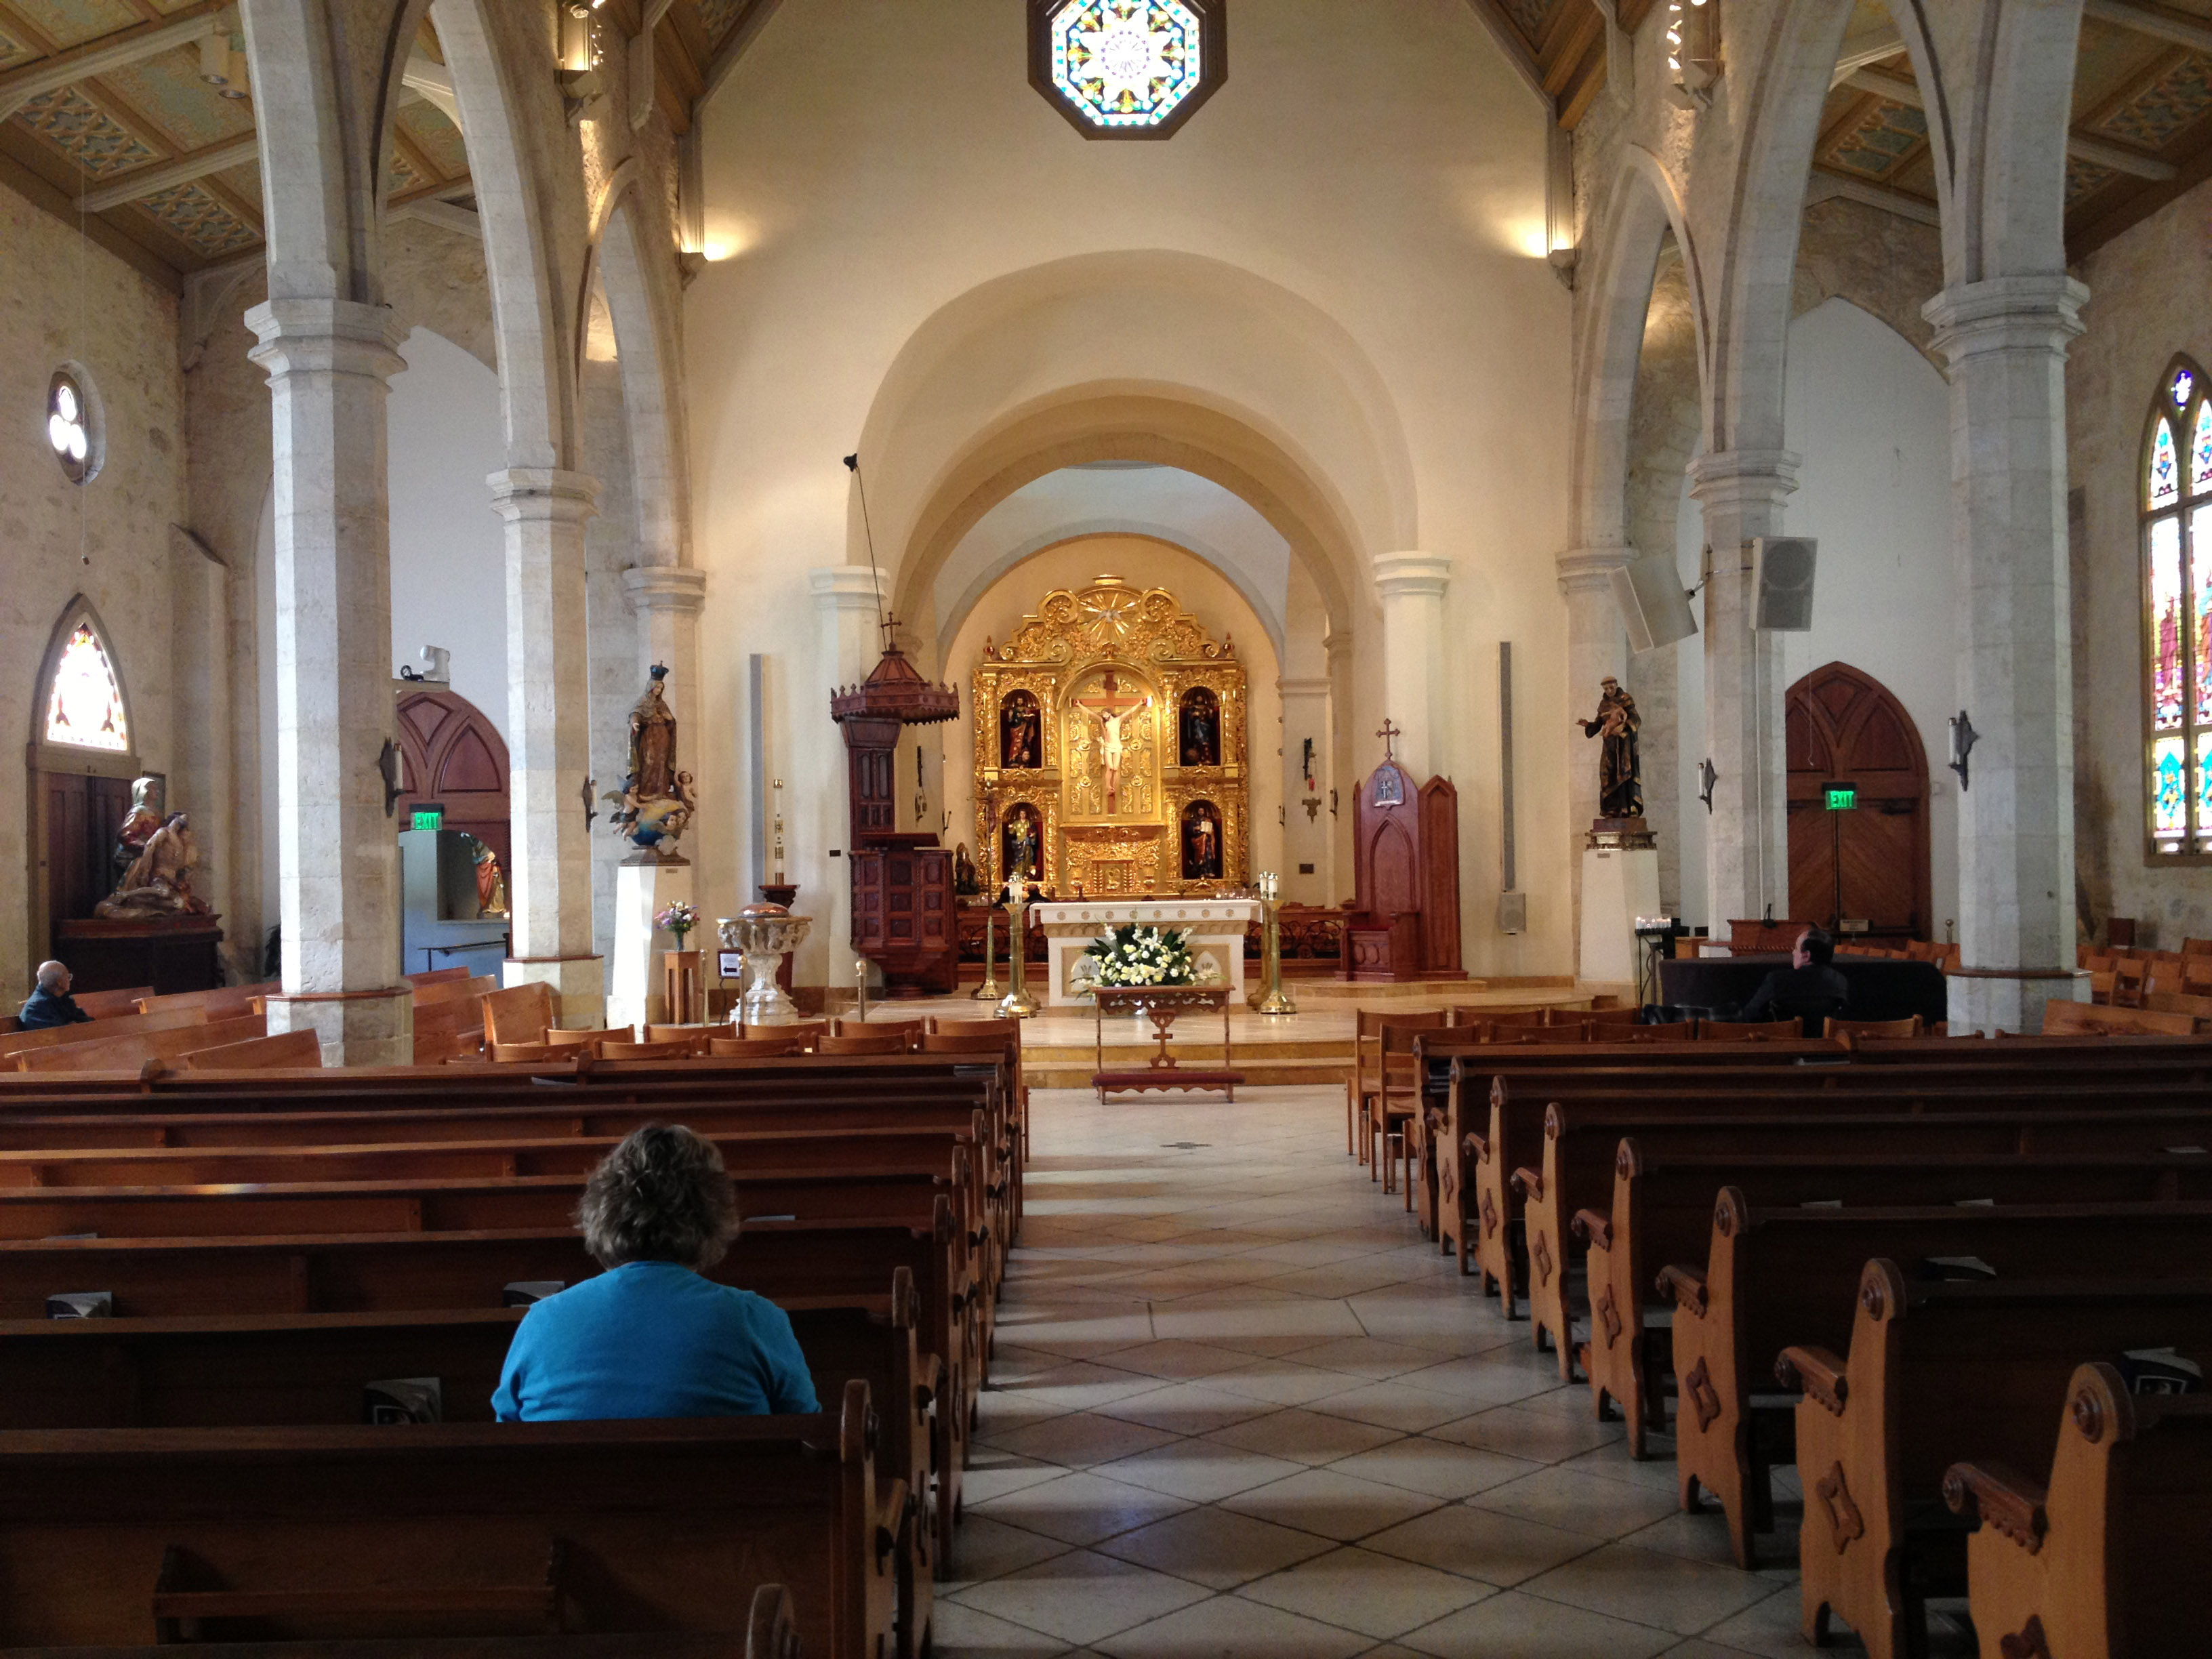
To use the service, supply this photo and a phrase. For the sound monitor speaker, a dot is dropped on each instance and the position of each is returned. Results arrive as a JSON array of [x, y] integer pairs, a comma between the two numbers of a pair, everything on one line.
[[1783, 570], [1653, 607]]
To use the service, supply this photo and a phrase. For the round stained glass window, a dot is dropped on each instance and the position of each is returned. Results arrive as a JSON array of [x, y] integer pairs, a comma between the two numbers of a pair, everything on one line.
[[72, 426], [1126, 69]]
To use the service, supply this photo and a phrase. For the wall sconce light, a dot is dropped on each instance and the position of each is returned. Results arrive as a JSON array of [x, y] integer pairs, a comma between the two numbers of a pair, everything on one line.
[[1708, 777], [222, 67], [1693, 51], [579, 55], [1963, 738], [1563, 261]]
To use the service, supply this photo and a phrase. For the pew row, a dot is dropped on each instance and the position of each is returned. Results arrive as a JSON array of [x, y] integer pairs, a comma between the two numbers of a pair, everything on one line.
[[2107, 1560], [301, 1534], [1936, 1373]]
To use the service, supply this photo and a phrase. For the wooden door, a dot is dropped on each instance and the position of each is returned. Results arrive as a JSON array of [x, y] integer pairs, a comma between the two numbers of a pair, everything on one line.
[[452, 755], [1870, 862], [83, 816]]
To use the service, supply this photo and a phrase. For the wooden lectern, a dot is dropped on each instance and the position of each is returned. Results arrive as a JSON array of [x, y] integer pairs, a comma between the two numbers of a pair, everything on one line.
[[1405, 862]]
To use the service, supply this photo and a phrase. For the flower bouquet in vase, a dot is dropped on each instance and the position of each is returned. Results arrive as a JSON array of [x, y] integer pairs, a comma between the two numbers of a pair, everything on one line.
[[678, 919], [1134, 955]]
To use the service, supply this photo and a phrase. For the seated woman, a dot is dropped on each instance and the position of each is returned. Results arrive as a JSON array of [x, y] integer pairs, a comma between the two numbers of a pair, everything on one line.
[[652, 1336]]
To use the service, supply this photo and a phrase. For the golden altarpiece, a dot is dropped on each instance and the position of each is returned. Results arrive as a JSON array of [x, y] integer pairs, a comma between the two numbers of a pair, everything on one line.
[[1110, 748]]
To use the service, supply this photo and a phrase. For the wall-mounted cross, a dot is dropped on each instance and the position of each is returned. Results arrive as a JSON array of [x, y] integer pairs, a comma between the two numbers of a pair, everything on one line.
[[1390, 734]]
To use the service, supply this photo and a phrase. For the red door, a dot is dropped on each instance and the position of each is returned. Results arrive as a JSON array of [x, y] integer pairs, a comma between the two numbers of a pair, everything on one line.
[[452, 755], [1867, 862]]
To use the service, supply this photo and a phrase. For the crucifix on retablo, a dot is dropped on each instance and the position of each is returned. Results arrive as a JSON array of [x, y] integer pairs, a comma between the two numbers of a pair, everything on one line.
[[1390, 734], [1109, 708]]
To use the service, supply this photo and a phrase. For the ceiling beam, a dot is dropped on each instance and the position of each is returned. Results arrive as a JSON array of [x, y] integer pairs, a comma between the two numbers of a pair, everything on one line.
[[1868, 46], [434, 84], [2158, 25], [113, 51], [444, 214], [1825, 185], [135, 186], [1899, 90]]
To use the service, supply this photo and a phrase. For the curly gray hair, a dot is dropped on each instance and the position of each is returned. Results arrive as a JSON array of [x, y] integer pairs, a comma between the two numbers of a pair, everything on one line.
[[662, 1195]]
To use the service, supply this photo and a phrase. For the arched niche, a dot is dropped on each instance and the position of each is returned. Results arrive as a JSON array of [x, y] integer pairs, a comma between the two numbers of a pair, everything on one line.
[[80, 791]]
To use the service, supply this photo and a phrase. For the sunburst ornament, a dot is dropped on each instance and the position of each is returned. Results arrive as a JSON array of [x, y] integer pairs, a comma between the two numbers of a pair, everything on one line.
[[1128, 69]]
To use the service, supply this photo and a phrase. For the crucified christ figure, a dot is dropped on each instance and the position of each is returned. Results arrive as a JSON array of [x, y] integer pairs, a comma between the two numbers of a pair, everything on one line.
[[1109, 708]]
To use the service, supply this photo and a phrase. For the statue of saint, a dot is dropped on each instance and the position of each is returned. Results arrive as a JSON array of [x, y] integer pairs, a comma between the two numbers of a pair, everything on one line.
[[1201, 844], [653, 742], [139, 824], [1202, 728], [1020, 732], [1021, 848], [491, 885], [1620, 770], [159, 882]]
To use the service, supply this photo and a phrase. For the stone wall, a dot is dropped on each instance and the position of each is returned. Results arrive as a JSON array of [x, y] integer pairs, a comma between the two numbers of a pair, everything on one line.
[[2146, 303]]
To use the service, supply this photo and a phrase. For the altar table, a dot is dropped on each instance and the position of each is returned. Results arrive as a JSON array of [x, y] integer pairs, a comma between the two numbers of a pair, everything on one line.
[[1216, 927]]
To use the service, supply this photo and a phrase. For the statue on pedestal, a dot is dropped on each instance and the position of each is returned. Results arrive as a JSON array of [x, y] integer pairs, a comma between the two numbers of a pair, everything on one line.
[[656, 802], [159, 882], [1620, 770]]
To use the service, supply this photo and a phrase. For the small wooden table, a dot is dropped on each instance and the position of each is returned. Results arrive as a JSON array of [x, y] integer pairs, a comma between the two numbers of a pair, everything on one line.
[[1162, 1003]]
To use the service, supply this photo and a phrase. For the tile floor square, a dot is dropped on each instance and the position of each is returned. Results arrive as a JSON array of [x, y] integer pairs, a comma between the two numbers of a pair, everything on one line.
[[1688, 1597], [1215, 1547], [1340, 1506], [1229, 1627], [1378, 1595], [1080, 1596]]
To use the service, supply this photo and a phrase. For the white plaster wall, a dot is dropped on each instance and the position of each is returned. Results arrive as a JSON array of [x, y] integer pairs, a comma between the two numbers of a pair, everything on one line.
[[1871, 416], [1370, 175], [448, 555], [63, 299]]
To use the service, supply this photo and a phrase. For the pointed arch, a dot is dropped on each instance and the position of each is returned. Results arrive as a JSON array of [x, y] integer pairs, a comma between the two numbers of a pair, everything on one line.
[[81, 647], [2173, 494], [1870, 862]]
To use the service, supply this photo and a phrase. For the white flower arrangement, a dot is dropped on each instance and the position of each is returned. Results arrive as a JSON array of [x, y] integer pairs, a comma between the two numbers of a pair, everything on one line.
[[1131, 955]]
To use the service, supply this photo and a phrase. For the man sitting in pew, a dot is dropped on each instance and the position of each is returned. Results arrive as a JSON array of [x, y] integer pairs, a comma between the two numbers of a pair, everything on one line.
[[652, 1336], [51, 1004], [1811, 989]]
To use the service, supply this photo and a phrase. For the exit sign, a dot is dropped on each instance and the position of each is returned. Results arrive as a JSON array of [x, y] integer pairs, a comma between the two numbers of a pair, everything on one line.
[[1842, 797], [429, 817]]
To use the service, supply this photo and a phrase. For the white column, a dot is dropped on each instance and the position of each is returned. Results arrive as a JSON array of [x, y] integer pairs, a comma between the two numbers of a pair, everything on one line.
[[549, 735], [328, 363], [2006, 339], [1306, 713], [1746, 843], [848, 599], [668, 600], [1412, 585]]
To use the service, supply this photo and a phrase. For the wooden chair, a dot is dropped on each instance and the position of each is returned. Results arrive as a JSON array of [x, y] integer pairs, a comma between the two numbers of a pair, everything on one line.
[[1392, 1108], [807, 1031], [531, 1054], [435, 975], [1677, 1030], [1606, 1018], [2130, 983], [682, 1048], [558, 1038], [893, 1044], [1365, 1084], [754, 1047], [520, 1013], [911, 1029], [1850, 1028], [1755, 1030], [2197, 947], [682, 1033]]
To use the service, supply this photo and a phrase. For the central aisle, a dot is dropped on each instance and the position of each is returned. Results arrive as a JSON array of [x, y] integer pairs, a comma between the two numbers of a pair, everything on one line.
[[1240, 1408]]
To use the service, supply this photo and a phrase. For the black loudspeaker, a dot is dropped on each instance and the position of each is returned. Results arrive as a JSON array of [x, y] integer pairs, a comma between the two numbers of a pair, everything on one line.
[[1783, 566], [1653, 607]]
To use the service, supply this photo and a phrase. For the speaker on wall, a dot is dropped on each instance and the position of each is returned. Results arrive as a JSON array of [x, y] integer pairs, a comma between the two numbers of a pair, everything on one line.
[[1653, 607], [1783, 570]]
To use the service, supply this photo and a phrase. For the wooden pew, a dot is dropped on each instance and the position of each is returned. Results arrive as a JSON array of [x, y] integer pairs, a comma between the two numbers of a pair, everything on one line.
[[764, 1637], [301, 1533], [17, 1043], [1773, 1278], [1936, 1373], [2131, 1019], [1664, 1173], [276, 1371], [133, 1049], [293, 1048], [106, 1004], [225, 1002], [2107, 1559], [1678, 1164]]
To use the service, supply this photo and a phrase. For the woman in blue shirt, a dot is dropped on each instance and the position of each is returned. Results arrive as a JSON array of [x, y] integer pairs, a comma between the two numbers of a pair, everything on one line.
[[653, 1336]]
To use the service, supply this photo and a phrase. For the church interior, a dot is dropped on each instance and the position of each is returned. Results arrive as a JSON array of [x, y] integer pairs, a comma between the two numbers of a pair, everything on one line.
[[902, 585]]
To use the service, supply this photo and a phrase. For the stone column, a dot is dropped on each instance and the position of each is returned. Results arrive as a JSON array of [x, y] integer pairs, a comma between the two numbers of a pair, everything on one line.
[[847, 602], [328, 361], [1746, 843], [549, 737], [1306, 713], [668, 600], [2006, 339], [1412, 586]]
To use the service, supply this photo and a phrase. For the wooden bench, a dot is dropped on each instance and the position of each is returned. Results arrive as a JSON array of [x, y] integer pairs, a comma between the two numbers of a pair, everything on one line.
[[1937, 1373], [276, 1371], [1773, 1278], [289, 1048], [442, 1529], [1664, 1174], [771, 1636], [2108, 1558], [129, 1050], [121, 1023]]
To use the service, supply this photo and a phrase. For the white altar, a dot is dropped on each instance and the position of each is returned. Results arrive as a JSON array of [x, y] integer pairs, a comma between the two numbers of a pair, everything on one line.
[[1216, 926]]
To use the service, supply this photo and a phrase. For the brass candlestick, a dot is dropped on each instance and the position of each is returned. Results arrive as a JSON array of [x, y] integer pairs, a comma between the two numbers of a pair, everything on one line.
[[1271, 934], [988, 990], [1018, 1003]]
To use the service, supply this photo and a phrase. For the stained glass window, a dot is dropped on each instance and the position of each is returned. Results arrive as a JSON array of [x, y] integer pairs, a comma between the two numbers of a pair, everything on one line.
[[2164, 480], [69, 426], [1126, 69], [2177, 619], [85, 705]]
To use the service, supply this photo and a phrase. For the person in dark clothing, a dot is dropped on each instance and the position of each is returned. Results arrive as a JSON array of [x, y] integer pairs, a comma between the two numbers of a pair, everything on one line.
[[51, 1004], [1811, 989]]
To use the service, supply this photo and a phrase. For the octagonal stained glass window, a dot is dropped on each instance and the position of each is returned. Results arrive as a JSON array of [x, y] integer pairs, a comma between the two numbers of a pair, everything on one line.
[[1126, 69]]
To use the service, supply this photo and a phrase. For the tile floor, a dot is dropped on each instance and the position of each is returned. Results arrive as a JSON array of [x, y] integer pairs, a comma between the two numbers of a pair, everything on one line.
[[1240, 1408]]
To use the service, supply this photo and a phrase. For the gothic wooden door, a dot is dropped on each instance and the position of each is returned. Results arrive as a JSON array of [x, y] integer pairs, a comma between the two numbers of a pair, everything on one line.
[[83, 816], [452, 756], [1867, 862]]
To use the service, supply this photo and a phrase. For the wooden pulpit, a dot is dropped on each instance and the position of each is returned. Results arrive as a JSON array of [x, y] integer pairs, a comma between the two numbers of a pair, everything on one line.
[[904, 919], [1405, 859]]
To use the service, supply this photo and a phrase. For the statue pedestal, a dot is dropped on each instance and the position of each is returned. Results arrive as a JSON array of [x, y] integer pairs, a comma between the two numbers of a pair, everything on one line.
[[1620, 883], [644, 887]]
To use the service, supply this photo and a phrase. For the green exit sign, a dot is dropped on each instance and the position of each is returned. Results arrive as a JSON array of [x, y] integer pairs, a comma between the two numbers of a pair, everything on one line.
[[1842, 797], [429, 817]]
